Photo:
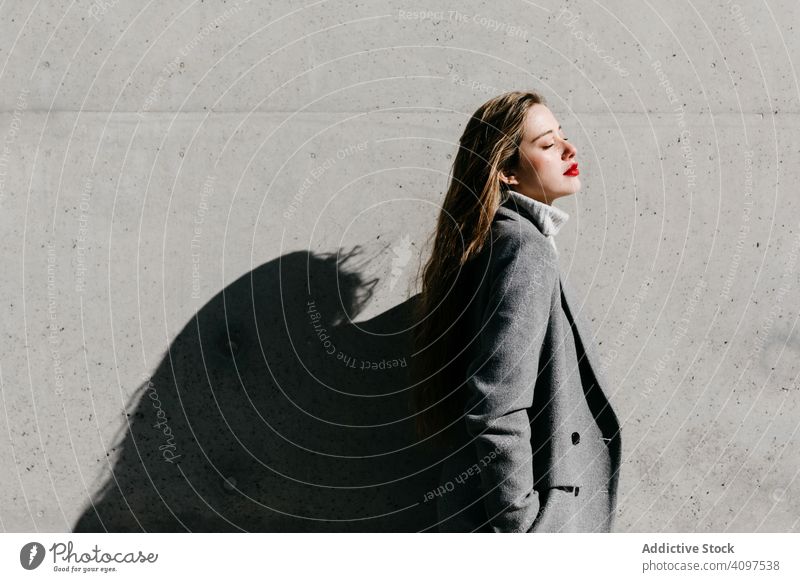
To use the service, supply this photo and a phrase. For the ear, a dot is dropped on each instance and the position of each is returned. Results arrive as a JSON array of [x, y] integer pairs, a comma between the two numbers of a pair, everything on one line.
[[508, 178]]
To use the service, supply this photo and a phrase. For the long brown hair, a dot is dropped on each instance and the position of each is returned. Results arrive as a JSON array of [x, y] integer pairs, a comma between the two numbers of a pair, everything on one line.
[[489, 144]]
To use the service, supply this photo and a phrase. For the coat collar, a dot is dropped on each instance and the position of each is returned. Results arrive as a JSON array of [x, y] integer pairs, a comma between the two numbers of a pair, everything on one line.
[[546, 217]]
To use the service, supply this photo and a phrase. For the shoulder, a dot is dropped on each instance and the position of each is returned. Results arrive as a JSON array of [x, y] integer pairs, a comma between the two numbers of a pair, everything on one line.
[[515, 237], [516, 259]]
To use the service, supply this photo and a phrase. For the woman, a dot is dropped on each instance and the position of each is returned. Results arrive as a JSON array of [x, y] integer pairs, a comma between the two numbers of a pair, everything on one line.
[[503, 381]]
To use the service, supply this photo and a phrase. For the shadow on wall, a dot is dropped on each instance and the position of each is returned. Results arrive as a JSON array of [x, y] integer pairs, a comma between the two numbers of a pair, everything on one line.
[[255, 422]]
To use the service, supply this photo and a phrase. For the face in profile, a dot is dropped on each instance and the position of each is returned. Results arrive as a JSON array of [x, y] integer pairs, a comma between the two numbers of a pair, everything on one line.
[[547, 167]]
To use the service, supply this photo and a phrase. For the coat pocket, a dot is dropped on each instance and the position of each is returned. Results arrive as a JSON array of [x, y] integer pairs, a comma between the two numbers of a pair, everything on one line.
[[558, 506]]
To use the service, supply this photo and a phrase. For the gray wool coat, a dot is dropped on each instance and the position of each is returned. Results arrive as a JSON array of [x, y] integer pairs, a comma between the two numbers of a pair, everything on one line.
[[541, 444]]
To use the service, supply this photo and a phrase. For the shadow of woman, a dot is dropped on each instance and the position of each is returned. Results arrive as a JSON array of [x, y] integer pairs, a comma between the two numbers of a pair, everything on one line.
[[273, 411]]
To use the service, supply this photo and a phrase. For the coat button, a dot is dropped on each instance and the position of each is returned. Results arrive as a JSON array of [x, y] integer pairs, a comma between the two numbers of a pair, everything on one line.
[[576, 438]]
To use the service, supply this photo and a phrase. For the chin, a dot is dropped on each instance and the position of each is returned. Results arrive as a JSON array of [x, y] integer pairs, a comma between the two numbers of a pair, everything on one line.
[[567, 192], [574, 187]]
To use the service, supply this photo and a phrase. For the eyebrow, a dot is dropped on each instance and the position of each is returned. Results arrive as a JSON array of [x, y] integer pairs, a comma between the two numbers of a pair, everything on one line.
[[544, 134]]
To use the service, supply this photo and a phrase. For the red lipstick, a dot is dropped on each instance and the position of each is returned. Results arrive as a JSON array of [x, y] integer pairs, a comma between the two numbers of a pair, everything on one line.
[[572, 171]]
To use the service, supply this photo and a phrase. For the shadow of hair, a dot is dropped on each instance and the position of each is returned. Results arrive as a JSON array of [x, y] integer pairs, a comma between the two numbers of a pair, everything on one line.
[[272, 410]]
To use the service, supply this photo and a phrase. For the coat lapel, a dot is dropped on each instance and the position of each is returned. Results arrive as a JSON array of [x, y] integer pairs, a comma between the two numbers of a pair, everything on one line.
[[591, 353], [611, 421], [582, 329]]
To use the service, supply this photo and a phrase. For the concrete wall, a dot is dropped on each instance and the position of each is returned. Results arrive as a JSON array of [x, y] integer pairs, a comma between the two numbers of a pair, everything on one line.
[[174, 175]]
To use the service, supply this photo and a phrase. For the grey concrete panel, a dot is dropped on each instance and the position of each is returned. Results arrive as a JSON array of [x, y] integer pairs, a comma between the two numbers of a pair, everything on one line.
[[172, 171]]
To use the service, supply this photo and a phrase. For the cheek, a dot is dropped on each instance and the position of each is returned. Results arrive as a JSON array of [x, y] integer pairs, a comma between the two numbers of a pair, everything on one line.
[[549, 164], [540, 163], [533, 160]]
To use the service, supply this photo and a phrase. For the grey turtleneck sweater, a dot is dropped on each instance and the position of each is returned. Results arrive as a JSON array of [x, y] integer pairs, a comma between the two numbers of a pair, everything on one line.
[[548, 218]]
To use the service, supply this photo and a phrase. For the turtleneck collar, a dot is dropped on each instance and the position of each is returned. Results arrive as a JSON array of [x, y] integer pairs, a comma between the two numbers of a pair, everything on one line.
[[547, 218]]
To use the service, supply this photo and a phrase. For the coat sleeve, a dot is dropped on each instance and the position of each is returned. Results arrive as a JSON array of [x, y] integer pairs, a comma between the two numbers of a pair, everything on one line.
[[501, 376]]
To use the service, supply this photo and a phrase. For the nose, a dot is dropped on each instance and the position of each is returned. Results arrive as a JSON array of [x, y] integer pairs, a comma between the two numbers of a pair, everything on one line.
[[569, 151]]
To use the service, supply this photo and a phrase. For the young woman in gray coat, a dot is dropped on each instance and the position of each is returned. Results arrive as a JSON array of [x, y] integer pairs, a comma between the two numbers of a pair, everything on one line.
[[507, 385]]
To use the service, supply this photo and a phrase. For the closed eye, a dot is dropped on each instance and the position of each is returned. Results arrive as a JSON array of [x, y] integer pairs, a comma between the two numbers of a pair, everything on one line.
[[552, 144]]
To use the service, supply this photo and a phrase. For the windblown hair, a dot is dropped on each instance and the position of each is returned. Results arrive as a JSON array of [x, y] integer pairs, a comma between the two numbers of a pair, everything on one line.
[[489, 144]]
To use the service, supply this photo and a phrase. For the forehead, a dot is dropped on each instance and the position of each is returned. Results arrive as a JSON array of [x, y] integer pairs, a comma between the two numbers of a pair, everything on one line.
[[538, 120]]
